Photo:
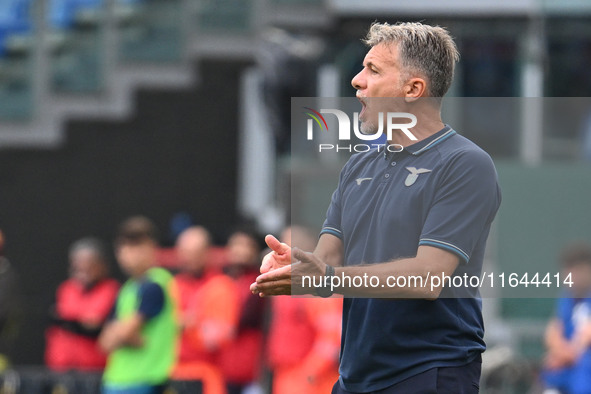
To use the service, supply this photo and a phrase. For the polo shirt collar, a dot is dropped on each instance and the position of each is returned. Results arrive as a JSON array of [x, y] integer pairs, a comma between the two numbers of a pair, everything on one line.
[[428, 143]]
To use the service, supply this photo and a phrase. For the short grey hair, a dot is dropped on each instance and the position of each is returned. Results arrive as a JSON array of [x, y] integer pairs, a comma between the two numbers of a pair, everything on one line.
[[428, 50], [92, 244]]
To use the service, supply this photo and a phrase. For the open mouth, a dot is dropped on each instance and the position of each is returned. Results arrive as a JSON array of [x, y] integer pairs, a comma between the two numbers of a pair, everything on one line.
[[363, 106]]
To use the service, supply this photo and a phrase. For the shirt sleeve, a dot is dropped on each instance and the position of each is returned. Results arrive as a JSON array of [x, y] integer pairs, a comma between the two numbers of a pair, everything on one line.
[[464, 204], [151, 300]]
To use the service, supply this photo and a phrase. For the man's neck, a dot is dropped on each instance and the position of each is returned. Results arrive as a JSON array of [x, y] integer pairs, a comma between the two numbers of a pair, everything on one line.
[[428, 123], [141, 274], [420, 134]]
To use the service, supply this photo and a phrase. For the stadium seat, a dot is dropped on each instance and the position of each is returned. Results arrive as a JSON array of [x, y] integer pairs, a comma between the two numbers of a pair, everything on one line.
[[14, 20], [63, 13]]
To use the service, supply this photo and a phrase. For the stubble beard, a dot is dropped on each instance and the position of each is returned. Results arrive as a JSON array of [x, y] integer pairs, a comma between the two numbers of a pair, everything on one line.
[[366, 127]]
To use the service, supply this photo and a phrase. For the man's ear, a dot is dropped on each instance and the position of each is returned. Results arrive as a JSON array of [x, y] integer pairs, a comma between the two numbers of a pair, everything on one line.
[[414, 88]]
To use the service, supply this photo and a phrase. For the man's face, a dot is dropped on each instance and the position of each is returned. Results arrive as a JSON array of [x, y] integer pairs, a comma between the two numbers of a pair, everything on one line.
[[381, 76], [192, 252], [136, 258], [242, 249], [86, 267]]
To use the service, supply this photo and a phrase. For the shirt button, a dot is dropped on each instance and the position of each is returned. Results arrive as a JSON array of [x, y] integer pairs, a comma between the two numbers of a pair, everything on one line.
[[387, 176], [393, 163]]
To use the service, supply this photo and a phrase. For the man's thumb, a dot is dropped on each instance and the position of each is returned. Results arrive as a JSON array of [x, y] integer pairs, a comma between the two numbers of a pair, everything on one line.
[[275, 245], [297, 254]]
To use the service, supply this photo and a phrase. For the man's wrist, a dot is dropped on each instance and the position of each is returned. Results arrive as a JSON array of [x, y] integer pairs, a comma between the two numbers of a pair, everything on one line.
[[326, 290]]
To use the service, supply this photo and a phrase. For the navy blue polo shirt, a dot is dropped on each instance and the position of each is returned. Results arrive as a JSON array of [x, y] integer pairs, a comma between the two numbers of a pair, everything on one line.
[[442, 192]]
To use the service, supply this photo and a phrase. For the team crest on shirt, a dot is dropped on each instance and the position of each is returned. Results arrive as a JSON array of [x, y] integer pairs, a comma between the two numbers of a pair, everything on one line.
[[414, 175]]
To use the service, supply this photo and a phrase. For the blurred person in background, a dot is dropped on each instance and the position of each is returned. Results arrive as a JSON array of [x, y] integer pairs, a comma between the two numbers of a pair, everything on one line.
[[568, 334], [208, 305], [141, 338], [305, 334], [9, 306], [82, 305], [241, 359]]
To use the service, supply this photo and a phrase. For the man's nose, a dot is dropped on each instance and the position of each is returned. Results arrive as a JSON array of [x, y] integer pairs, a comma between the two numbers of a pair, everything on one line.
[[358, 82]]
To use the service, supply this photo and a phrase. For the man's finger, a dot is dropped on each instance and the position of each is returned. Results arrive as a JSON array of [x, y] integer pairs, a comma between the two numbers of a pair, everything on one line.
[[276, 274], [267, 263], [282, 287], [253, 287], [299, 255], [275, 245]]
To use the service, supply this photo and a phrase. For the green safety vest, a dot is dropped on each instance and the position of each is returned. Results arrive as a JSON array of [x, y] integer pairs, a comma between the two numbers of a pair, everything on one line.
[[152, 363]]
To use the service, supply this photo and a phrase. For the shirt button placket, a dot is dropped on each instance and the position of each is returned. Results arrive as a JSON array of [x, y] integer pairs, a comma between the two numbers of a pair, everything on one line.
[[387, 175]]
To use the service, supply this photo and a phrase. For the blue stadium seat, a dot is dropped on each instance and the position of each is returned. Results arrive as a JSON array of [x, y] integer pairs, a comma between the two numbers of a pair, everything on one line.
[[15, 19], [62, 13], [15, 15]]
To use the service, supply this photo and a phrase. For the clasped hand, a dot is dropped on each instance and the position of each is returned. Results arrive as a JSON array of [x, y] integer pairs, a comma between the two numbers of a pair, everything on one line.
[[283, 268]]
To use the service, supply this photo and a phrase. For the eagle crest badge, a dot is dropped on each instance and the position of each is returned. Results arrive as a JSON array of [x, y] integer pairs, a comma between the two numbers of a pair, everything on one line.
[[414, 175]]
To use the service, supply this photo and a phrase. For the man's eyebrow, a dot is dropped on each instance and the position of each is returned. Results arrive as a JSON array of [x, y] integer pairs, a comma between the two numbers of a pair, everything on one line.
[[370, 64]]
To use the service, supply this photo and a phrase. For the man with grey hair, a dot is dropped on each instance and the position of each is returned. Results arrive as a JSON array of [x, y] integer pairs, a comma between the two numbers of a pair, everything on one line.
[[82, 305], [420, 211]]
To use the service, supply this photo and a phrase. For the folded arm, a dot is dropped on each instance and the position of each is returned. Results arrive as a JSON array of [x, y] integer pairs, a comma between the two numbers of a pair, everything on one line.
[[122, 332]]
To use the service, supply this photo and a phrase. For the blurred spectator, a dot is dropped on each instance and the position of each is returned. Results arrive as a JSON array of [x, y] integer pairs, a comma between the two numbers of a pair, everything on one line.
[[305, 335], [9, 306], [82, 305], [141, 337], [241, 359], [208, 304], [568, 335]]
